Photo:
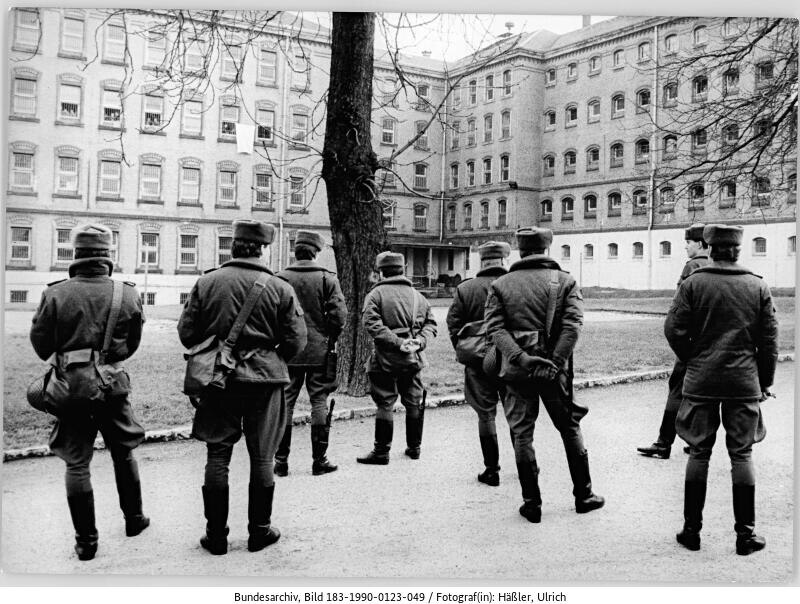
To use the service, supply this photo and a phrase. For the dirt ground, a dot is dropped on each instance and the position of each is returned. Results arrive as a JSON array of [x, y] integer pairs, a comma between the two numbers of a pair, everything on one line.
[[430, 518]]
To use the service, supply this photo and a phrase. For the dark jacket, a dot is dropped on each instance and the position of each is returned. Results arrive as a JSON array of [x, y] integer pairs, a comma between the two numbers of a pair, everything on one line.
[[386, 316], [73, 313], [324, 309], [518, 302], [469, 300], [275, 328], [692, 264], [722, 325]]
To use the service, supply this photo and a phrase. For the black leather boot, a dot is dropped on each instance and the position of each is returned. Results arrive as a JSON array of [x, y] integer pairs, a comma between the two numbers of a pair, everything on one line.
[[585, 500], [666, 436], [413, 436], [491, 457], [657, 449], [531, 509], [379, 455], [694, 499], [259, 516], [215, 504], [744, 513], [282, 454], [81, 509], [319, 448], [129, 489]]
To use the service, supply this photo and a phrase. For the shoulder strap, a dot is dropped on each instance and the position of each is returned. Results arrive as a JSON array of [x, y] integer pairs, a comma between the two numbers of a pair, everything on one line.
[[551, 304], [244, 314], [414, 306], [113, 315]]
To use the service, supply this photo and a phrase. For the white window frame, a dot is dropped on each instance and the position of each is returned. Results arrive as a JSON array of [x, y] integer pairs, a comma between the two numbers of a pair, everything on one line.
[[188, 254], [268, 123], [155, 49], [228, 117], [487, 171], [471, 132], [227, 186], [105, 177], [146, 179], [111, 100], [267, 66], [547, 207], [65, 89], [618, 105], [454, 169], [262, 189], [231, 59], [484, 224], [470, 173], [300, 123], [20, 172], [192, 114], [507, 82], [67, 36], [388, 131], [67, 176], [26, 35], [505, 168], [190, 189], [149, 108], [20, 244], [297, 197], [505, 125], [488, 88], [149, 254], [20, 97], [455, 138], [488, 128], [114, 49], [420, 217], [420, 176]]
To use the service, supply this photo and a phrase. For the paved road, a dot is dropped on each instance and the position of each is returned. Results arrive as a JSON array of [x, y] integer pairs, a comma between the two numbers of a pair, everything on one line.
[[430, 518]]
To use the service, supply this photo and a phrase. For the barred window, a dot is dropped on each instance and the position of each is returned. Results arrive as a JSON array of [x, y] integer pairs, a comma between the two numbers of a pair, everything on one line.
[[155, 50], [110, 176], [188, 251], [112, 108], [22, 171], [265, 119], [267, 66], [231, 61], [505, 124], [226, 193], [224, 244], [20, 243], [192, 123], [67, 175], [190, 185], [64, 252], [24, 98], [420, 218], [298, 191], [263, 189], [114, 49], [26, 29], [69, 102], [387, 131], [229, 115], [148, 249], [153, 111], [420, 176], [299, 127], [150, 185], [72, 35]]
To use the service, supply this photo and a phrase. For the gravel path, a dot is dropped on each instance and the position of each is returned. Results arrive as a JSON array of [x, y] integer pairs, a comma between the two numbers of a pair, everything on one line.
[[430, 518]]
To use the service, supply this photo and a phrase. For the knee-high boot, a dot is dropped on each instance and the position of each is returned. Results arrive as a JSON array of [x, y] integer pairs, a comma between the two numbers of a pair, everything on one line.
[[585, 499], [215, 504], [81, 509], [414, 435], [129, 489], [282, 454], [529, 481], [694, 499], [491, 457], [379, 455], [259, 517], [744, 513], [319, 449]]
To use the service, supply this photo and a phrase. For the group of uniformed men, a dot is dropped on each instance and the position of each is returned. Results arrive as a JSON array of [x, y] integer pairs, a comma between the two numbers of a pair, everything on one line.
[[527, 318]]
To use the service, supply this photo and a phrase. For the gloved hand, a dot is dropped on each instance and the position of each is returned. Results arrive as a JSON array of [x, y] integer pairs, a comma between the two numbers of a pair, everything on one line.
[[539, 367]]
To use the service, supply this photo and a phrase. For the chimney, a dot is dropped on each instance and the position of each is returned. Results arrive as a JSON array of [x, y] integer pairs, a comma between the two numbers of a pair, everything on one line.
[[587, 20]]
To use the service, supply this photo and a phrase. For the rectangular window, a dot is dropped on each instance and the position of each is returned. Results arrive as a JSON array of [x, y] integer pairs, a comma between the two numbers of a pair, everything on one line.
[[470, 174], [110, 175], [150, 186], [148, 298], [114, 49], [112, 108], [267, 66], [228, 118], [420, 218], [265, 120], [298, 193], [19, 296], [487, 129], [388, 175], [387, 131], [192, 123], [148, 249], [422, 141], [505, 125], [20, 244], [420, 176], [63, 246], [505, 169], [26, 31], [487, 171], [22, 171], [195, 55], [224, 249], [67, 176], [183, 297], [454, 176], [190, 185], [188, 251], [114, 251], [153, 111], [470, 133], [484, 215], [468, 218], [72, 36], [263, 189], [501, 213], [506, 83], [299, 128], [156, 50], [300, 71], [454, 137], [227, 187], [24, 97], [231, 61], [489, 88], [69, 102]]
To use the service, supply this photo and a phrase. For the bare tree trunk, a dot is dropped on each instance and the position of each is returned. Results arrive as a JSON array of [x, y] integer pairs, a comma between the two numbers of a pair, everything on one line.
[[348, 169]]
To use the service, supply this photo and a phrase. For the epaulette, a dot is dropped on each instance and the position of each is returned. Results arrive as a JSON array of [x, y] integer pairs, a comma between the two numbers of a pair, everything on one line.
[[59, 281], [205, 272], [131, 283]]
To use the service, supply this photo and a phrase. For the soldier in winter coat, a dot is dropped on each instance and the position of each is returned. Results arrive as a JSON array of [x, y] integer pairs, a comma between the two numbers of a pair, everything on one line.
[[722, 326], [253, 400], [400, 322], [325, 312], [464, 320], [517, 310], [697, 251], [72, 316]]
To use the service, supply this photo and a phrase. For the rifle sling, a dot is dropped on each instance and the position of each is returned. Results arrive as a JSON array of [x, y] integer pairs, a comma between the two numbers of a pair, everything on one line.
[[252, 297]]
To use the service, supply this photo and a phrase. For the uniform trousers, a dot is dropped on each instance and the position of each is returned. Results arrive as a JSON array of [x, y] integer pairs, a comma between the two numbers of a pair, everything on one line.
[[666, 433], [73, 436], [258, 411], [521, 407], [386, 387], [697, 424], [482, 393], [317, 387]]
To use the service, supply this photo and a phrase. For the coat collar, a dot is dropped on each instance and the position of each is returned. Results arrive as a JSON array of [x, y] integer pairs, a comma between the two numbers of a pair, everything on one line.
[[251, 263], [492, 271], [724, 268], [534, 261], [91, 267], [396, 280], [304, 266]]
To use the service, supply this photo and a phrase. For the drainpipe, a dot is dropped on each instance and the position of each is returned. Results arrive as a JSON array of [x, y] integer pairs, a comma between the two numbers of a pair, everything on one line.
[[284, 184], [653, 146]]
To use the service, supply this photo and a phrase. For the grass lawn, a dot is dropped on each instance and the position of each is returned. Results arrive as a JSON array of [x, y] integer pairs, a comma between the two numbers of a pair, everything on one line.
[[605, 347]]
